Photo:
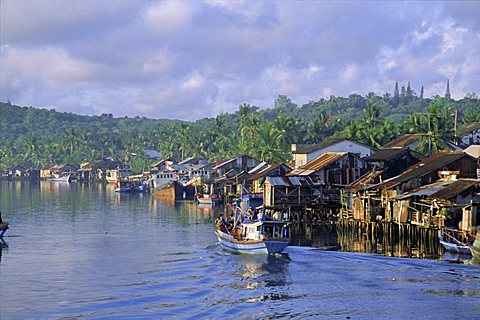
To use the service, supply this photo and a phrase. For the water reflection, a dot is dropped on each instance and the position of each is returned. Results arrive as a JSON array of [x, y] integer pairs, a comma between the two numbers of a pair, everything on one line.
[[3, 245]]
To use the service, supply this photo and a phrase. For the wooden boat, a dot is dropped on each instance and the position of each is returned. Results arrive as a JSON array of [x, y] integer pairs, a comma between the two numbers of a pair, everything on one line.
[[452, 244], [263, 235], [475, 247], [62, 178], [207, 199]]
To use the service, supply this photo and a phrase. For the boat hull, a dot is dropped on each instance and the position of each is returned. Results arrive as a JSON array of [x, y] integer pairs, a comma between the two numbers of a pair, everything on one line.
[[455, 248], [250, 246]]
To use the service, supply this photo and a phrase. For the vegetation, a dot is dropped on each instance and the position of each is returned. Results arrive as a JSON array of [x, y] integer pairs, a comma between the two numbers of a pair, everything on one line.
[[34, 137]]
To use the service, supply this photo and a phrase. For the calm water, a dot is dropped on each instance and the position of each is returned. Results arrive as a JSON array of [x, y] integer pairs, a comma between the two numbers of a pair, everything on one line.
[[87, 252]]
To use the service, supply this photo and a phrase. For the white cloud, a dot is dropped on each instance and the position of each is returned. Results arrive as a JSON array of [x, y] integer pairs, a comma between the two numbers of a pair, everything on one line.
[[166, 17], [349, 74], [189, 59]]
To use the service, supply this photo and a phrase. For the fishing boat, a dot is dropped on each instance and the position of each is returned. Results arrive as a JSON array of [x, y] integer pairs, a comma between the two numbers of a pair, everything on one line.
[[208, 199], [451, 244], [246, 233]]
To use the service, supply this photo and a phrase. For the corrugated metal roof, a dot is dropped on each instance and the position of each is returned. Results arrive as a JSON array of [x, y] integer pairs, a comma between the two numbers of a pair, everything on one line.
[[289, 181], [266, 171], [422, 168], [317, 164], [442, 189], [364, 180]]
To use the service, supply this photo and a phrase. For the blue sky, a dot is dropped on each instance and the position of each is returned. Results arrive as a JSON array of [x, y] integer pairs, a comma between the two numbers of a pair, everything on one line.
[[194, 59]]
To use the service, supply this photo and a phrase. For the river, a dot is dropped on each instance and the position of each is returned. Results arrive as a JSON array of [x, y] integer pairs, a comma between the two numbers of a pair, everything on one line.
[[84, 251]]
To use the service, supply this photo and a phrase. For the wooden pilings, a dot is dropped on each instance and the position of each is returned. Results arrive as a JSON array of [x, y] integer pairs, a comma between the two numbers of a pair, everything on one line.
[[382, 237]]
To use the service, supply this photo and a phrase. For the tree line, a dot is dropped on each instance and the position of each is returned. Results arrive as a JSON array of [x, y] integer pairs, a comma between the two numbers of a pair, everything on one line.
[[34, 137]]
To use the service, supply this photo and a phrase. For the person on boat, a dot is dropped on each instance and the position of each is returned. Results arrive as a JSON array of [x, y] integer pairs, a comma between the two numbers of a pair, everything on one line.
[[219, 221]]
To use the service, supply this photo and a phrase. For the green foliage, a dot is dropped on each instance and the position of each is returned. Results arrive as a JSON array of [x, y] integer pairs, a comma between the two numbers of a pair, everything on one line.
[[35, 137]]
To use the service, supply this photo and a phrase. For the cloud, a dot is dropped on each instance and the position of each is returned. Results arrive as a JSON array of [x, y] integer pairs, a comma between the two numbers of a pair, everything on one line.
[[189, 59]]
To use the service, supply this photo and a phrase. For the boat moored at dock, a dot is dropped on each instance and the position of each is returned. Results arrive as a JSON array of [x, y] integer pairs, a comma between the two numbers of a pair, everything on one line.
[[451, 244]]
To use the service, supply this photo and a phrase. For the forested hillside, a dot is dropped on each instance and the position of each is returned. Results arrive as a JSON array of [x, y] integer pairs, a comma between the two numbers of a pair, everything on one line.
[[35, 137]]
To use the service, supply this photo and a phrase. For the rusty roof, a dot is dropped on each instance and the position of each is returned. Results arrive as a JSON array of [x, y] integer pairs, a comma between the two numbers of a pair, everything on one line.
[[422, 168], [403, 140], [317, 164], [444, 190], [290, 181], [364, 181]]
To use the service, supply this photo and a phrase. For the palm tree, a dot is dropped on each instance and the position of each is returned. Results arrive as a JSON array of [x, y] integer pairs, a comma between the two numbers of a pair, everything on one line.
[[268, 143]]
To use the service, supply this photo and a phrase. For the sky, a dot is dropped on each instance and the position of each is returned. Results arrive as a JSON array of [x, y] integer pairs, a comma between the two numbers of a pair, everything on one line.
[[194, 59]]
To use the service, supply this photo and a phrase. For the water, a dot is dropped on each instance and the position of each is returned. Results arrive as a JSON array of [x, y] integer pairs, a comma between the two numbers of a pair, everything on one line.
[[86, 252]]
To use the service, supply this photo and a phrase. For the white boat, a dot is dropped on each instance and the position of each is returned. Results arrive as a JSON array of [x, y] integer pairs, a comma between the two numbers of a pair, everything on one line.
[[264, 235], [452, 244], [208, 199], [62, 178]]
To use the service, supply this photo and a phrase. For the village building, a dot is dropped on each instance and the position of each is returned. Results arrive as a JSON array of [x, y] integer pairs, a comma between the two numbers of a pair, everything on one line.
[[412, 140], [163, 165], [254, 183], [469, 134], [231, 175], [474, 151], [57, 170], [20, 173], [289, 193], [449, 201], [333, 169], [380, 200], [392, 161], [304, 153], [97, 169]]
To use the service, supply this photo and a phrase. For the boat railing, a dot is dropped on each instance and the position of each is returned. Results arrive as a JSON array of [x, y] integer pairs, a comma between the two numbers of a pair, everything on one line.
[[450, 237]]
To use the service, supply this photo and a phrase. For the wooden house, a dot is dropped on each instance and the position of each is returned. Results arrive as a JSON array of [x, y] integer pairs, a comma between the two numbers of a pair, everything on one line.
[[452, 202], [474, 151], [333, 169], [240, 164], [20, 173], [254, 183], [97, 169], [230, 184], [411, 141], [57, 170], [163, 165], [380, 199], [288, 192], [392, 161], [304, 153]]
